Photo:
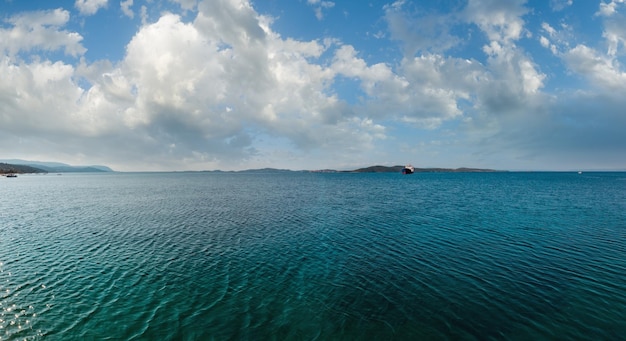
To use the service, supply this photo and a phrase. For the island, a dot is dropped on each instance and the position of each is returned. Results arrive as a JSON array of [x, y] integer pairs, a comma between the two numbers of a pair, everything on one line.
[[398, 169], [377, 169], [6, 169], [15, 166]]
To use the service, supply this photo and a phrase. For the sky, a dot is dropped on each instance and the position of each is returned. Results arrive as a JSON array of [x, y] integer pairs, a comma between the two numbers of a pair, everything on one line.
[[148, 85]]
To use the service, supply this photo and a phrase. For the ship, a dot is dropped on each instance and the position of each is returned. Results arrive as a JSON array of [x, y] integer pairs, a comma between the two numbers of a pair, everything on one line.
[[408, 169]]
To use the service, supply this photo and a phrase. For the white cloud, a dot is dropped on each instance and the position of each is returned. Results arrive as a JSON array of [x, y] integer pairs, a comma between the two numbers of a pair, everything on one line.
[[500, 20], [90, 7], [559, 5], [545, 42], [144, 15], [559, 40], [319, 6], [614, 25], [514, 78], [603, 71], [615, 39], [426, 33], [42, 98], [219, 88], [609, 9], [546, 27], [40, 30], [125, 6], [509, 79], [203, 88]]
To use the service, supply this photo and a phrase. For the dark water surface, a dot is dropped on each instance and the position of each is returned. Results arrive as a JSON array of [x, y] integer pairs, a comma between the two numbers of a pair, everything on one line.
[[302, 256]]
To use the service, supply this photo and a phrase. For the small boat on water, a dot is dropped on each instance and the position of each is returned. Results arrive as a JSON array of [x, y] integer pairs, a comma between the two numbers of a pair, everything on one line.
[[408, 169], [11, 175]]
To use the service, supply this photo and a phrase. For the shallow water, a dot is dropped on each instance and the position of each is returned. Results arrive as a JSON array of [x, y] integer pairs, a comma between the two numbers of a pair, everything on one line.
[[313, 256]]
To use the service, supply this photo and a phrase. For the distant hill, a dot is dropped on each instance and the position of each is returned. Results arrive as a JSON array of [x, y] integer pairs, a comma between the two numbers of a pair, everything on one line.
[[6, 168], [397, 169], [266, 170], [24, 166], [379, 169], [374, 169], [56, 167]]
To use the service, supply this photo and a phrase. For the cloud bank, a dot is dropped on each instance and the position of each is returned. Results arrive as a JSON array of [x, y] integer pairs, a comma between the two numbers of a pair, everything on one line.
[[216, 86]]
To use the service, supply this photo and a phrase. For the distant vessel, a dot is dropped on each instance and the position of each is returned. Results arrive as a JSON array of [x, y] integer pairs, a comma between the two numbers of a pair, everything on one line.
[[11, 175], [408, 169]]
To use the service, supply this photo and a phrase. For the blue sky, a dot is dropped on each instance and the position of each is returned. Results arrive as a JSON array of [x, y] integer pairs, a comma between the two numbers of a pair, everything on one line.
[[312, 84]]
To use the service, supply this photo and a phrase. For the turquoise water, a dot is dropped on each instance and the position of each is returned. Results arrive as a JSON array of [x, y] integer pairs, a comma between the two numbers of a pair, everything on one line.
[[303, 256]]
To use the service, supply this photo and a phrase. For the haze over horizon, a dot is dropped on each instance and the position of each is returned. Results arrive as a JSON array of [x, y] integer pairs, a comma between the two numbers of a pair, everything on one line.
[[142, 85]]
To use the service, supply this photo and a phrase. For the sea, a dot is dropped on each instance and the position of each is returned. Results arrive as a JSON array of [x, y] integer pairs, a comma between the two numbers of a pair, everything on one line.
[[313, 256]]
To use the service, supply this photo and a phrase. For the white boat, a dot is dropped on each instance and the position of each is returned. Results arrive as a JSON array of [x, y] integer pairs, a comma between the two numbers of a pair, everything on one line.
[[408, 169]]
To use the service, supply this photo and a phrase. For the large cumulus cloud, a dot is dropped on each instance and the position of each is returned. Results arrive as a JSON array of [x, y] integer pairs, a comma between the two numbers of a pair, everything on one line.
[[216, 87]]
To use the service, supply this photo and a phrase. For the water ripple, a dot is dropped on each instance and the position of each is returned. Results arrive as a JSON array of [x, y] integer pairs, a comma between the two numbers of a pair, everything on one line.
[[313, 256]]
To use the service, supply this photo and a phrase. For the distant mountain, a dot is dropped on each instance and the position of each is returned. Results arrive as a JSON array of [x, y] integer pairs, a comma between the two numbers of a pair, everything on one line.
[[397, 169], [57, 167], [6, 168], [379, 169], [266, 170], [74, 169], [373, 169], [24, 166]]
